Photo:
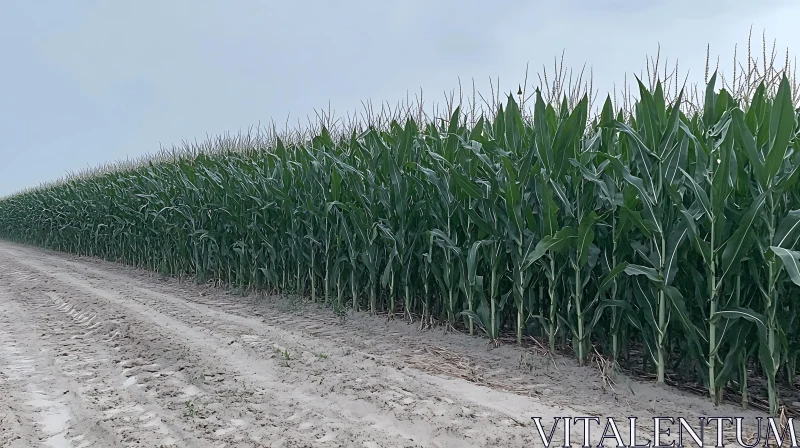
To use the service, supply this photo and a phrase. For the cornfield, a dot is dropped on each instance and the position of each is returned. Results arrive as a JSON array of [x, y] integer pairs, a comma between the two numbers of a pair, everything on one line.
[[668, 228]]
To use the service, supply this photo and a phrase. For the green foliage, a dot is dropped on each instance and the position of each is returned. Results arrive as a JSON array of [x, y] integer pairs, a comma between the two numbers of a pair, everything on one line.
[[677, 233]]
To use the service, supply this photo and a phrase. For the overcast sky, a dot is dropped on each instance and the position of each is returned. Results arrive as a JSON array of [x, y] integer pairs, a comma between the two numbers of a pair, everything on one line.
[[88, 82]]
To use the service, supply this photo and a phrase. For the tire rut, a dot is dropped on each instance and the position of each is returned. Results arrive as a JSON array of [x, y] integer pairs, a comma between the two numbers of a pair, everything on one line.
[[318, 393], [221, 370]]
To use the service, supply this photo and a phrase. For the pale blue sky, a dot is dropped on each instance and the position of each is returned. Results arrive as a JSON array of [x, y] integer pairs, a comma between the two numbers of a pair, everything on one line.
[[88, 82]]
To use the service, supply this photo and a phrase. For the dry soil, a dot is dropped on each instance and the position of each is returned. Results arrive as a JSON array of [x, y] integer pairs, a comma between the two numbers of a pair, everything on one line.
[[98, 354]]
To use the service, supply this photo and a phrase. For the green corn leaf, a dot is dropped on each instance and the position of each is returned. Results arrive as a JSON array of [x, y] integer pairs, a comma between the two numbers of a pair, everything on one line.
[[467, 186], [788, 231], [612, 274], [739, 243], [781, 128], [710, 101], [745, 138], [585, 237], [650, 273], [743, 313], [550, 243], [542, 135], [674, 241], [791, 262], [678, 304]]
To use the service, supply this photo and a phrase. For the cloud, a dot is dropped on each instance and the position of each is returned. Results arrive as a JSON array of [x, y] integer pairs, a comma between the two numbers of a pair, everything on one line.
[[93, 81]]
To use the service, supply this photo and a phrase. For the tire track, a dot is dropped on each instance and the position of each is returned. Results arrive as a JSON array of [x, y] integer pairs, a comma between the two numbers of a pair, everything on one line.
[[209, 370]]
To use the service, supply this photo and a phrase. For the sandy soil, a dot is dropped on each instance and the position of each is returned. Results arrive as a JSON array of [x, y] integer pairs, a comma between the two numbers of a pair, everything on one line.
[[98, 354]]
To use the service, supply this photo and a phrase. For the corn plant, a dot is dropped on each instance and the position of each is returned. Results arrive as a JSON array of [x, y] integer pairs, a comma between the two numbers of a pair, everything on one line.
[[663, 232]]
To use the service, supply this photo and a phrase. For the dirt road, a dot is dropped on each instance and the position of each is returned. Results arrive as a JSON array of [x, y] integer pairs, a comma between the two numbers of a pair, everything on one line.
[[97, 354]]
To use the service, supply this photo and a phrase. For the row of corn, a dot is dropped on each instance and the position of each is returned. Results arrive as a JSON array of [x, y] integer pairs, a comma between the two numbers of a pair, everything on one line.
[[669, 232]]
